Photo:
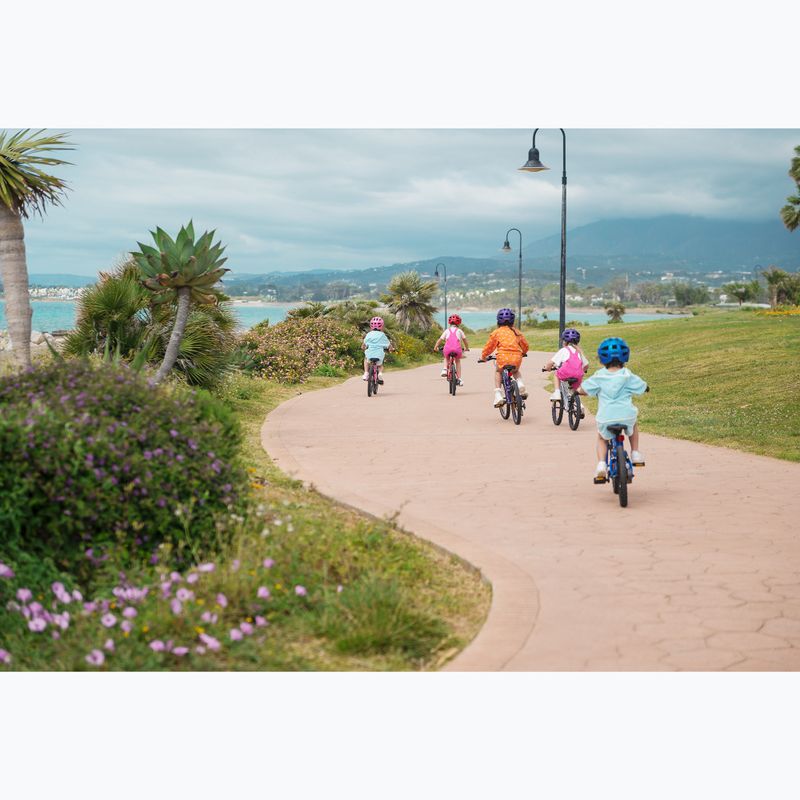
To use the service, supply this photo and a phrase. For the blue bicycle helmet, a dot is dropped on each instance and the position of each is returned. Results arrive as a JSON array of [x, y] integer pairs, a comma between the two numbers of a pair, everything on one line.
[[613, 349], [571, 336], [505, 316]]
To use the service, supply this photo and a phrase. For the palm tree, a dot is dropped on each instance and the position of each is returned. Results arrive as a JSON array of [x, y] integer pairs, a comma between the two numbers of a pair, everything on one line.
[[790, 214], [615, 311], [741, 291], [775, 278], [24, 188], [181, 270], [409, 299], [310, 309]]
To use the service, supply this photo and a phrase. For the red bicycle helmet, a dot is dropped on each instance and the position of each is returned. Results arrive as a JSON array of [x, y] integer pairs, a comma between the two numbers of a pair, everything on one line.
[[376, 323], [454, 319]]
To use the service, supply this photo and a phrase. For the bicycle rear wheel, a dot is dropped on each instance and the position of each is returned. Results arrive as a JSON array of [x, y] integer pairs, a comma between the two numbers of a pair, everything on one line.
[[622, 476], [369, 383], [574, 412], [453, 378], [557, 410], [516, 403]]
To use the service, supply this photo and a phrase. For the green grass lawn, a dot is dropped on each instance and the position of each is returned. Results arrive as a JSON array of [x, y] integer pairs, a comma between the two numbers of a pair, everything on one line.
[[729, 378]]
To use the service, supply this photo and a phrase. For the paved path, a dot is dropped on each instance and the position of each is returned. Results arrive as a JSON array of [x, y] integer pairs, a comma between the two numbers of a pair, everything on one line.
[[700, 572]]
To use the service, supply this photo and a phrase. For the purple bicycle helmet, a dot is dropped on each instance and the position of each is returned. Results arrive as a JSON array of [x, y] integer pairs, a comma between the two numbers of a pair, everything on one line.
[[505, 316], [571, 336]]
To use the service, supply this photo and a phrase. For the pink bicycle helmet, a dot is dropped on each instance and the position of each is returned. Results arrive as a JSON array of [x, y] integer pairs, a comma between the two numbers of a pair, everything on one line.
[[376, 323]]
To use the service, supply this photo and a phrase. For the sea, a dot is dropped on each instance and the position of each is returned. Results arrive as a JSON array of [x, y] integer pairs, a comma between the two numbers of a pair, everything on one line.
[[54, 315]]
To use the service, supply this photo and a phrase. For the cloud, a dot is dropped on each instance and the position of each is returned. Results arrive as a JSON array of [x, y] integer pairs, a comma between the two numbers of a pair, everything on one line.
[[284, 199]]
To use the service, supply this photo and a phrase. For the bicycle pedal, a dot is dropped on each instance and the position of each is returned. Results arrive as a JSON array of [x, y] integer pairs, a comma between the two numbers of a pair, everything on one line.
[[638, 463], [600, 480]]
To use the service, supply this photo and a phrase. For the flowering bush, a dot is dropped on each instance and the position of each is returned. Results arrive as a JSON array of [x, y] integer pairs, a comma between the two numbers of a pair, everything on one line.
[[289, 351], [407, 348], [94, 458]]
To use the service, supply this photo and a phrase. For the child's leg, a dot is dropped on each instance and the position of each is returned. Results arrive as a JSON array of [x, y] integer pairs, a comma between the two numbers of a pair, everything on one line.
[[458, 367], [497, 381], [602, 448], [635, 437]]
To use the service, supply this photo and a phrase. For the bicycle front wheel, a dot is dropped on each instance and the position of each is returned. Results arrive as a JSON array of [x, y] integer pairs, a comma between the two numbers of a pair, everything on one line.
[[622, 476], [557, 410], [453, 379], [516, 404], [574, 412]]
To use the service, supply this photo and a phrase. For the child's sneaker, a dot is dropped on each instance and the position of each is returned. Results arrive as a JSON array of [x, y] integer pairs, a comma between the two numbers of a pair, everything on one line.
[[637, 459], [556, 395], [443, 373], [365, 377], [600, 472], [380, 379], [523, 392], [460, 382], [499, 398]]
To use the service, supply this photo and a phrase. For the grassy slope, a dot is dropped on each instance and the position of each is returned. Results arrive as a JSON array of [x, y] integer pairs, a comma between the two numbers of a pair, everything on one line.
[[436, 589], [729, 378]]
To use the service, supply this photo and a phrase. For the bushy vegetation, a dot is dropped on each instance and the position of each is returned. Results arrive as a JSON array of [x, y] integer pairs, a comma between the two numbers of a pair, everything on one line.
[[291, 350], [94, 459]]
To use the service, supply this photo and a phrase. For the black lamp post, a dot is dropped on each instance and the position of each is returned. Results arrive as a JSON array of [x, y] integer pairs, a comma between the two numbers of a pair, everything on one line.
[[507, 249], [534, 165], [436, 273]]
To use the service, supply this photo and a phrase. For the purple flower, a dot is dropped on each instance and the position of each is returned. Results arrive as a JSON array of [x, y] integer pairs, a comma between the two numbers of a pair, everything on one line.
[[166, 588], [200, 649], [108, 620], [173, 433], [300, 591], [129, 612], [236, 634], [5, 656], [340, 588], [222, 601], [184, 595], [23, 595], [5, 572], [95, 658], [180, 651], [36, 608], [209, 641], [208, 617], [261, 622], [268, 562], [192, 578], [62, 620], [55, 634], [175, 577], [235, 564], [208, 567], [126, 626], [37, 624], [262, 593], [157, 645], [109, 645], [90, 607], [176, 606], [246, 628]]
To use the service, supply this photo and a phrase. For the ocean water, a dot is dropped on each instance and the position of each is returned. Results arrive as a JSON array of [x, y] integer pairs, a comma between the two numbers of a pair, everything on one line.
[[60, 315]]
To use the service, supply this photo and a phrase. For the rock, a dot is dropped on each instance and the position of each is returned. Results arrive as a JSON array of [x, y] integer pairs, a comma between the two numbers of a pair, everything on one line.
[[37, 337]]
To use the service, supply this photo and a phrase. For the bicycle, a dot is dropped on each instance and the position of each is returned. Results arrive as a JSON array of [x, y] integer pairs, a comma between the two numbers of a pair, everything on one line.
[[619, 467], [570, 400], [373, 376], [514, 405], [452, 372]]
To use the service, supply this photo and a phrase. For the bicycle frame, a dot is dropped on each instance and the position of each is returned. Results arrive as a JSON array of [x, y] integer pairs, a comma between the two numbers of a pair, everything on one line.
[[611, 457]]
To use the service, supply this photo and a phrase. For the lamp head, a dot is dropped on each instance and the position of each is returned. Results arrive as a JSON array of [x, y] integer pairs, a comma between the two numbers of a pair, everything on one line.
[[533, 164], [506, 248]]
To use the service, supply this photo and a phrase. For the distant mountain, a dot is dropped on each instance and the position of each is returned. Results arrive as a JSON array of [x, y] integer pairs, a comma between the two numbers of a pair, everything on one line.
[[693, 243]]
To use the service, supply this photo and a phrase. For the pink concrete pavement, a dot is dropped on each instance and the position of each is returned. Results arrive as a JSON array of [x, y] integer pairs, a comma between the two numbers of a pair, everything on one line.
[[700, 572]]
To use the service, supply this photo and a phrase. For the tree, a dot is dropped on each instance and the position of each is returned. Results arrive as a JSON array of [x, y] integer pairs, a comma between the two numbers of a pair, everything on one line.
[[775, 278], [24, 188], [409, 299], [651, 293], [688, 295], [741, 291], [615, 311], [790, 213], [184, 270]]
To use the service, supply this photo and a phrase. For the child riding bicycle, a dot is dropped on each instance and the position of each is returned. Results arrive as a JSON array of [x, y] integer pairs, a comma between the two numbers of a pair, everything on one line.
[[569, 362], [375, 345], [455, 344], [511, 346], [614, 385]]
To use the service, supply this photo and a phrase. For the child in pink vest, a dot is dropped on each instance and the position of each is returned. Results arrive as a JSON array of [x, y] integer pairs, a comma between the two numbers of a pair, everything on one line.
[[455, 343], [569, 361]]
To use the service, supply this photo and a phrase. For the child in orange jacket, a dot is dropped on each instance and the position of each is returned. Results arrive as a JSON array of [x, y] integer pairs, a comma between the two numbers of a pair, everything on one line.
[[510, 345]]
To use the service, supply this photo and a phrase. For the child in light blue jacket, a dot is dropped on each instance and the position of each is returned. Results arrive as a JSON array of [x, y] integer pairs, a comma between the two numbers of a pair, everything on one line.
[[614, 385]]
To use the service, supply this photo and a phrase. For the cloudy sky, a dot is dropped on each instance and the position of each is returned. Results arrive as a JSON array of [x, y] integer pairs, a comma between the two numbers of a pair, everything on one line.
[[304, 199]]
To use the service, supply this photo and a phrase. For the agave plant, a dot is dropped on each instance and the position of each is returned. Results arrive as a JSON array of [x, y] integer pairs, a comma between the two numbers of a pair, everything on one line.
[[184, 270], [24, 188]]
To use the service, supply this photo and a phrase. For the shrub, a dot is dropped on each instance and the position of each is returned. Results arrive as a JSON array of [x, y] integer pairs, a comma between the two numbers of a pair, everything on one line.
[[407, 348], [93, 457], [289, 351]]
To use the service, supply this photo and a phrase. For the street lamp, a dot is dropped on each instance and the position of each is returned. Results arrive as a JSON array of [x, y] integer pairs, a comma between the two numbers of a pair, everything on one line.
[[534, 165], [506, 248], [436, 273]]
